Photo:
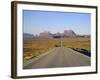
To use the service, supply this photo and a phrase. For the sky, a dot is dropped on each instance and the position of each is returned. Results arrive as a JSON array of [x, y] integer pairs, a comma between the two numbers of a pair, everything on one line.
[[35, 22]]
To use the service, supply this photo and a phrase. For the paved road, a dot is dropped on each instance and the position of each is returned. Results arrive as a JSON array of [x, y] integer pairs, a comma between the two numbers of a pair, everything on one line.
[[59, 57]]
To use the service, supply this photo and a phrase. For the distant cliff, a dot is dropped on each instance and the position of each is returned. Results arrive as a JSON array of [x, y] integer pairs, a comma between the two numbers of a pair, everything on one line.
[[66, 33], [49, 35], [27, 36]]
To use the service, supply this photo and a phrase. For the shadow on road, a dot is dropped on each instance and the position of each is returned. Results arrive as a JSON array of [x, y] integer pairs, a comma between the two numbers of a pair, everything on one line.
[[83, 51]]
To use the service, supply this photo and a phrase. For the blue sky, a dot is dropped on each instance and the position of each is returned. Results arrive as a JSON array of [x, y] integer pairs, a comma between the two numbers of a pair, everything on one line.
[[35, 22]]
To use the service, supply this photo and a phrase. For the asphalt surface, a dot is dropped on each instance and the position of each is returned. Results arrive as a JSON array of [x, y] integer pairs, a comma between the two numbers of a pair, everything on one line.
[[58, 57]]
